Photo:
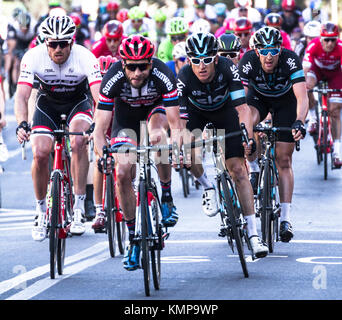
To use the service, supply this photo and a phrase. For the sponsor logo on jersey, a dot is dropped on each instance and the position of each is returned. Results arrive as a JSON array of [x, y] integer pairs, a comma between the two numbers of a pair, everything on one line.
[[235, 71], [112, 81], [180, 86], [164, 78], [247, 67], [291, 62]]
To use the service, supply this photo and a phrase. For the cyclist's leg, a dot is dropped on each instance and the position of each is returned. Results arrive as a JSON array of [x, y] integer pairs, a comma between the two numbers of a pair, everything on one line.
[[158, 127], [311, 81]]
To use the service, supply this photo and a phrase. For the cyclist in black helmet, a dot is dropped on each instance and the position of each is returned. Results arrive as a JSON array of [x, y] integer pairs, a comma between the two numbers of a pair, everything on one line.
[[210, 90], [229, 46]]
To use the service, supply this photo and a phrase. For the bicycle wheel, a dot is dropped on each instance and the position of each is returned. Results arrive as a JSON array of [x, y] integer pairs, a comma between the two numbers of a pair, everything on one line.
[[120, 230], [110, 214], [157, 244], [230, 205], [273, 213], [145, 259], [325, 145], [54, 214]]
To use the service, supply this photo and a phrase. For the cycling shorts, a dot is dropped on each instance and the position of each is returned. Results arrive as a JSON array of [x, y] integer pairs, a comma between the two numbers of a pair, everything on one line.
[[224, 118], [127, 120], [283, 110], [334, 79], [47, 115]]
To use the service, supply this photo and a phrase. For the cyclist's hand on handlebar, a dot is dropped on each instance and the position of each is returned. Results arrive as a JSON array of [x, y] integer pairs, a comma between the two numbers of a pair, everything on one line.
[[298, 130], [23, 132], [250, 147]]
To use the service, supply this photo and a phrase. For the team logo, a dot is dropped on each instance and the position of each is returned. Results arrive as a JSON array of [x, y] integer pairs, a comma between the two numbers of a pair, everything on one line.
[[291, 62]]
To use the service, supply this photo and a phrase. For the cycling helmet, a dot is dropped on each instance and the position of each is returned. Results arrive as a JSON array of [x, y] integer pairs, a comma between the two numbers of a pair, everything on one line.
[[242, 3], [312, 29], [112, 6], [179, 50], [113, 29], [177, 25], [201, 44], [242, 24], [76, 18], [136, 13], [220, 9], [200, 4], [24, 20], [229, 42], [160, 16], [267, 37], [200, 26], [122, 15], [329, 29], [54, 4], [17, 11], [59, 28], [288, 5], [273, 20], [179, 13], [136, 48], [105, 63]]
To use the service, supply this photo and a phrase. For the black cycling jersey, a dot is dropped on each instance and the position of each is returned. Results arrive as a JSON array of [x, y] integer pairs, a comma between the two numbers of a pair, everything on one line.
[[160, 88], [288, 71], [292, 22], [224, 89]]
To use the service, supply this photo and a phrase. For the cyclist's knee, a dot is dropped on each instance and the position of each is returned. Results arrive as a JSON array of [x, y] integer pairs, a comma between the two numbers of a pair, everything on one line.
[[123, 174], [238, 171], [41, 155], [78, 144]]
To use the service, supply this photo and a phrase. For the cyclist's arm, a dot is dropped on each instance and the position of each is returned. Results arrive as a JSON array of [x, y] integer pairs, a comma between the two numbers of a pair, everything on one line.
[[103, 118], [22, 97], [299, 89], [95, 89]]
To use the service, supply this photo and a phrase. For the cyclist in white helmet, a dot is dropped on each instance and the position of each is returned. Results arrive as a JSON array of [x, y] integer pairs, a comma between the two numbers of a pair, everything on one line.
[[67, 73]]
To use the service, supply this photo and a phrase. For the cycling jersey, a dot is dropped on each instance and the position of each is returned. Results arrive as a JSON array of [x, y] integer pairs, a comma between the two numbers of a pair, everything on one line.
[[23, 39], [165, 50], [300, 48], [292, 22], [213, 102], [147, 29], [288, 72], [328, 61], [286, 40], [61, 83], [133, 105]]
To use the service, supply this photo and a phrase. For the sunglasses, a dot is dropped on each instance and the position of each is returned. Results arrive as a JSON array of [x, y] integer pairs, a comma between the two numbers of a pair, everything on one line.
[[178, 38], [206, 61], [243, 9], [329, 39], [62, 44], [265, 52], [137, 20], [245, 34], [112, 40], [231, 55], [134, 66], [181, 59]]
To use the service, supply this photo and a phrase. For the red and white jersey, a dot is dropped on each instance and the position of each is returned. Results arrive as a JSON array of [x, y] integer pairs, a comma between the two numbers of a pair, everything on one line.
[[100, 48], [328, 61]]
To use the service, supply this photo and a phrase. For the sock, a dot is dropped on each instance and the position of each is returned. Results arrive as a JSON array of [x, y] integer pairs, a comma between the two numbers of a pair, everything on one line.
[[131, 229], [79, 201], [166, 191], [98, 208], [254, 166], [203, 180], [337, 146], [41, 204], [285, 211], [251, 225]]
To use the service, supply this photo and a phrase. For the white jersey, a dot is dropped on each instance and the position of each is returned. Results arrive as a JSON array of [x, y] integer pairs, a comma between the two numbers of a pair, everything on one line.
[[69, 80]]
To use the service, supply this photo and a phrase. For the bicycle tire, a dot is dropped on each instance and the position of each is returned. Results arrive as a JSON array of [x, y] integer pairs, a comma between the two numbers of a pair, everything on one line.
[[121, 235], [157, 246], [145, 259], [187, 179], [233, 214], [110, 214], [53, 231], [325, 146], [184, 182], [273, 218]]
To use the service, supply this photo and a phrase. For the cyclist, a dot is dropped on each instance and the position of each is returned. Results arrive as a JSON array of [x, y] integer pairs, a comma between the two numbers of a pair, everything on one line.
[[65, 71], [229, 46], [221, 13], [314, 12], [179, 58], [143, 88], [110, 42], [138, 23], [122, 15], [160, 19], [243, 30], [177, 29], [210, 90], [202, 10], [275, 20], [82, 35], [243, 8], [3, 147], [322, 61], [292, 17], [274, 81]]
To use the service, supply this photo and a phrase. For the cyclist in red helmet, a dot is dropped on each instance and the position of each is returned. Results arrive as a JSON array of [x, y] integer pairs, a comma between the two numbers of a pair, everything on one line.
[[82, 35], [323, 61], [110, 41], [122, 15], [143, 88], [275, 20], [112, 9], [292, 16], [243, 30]]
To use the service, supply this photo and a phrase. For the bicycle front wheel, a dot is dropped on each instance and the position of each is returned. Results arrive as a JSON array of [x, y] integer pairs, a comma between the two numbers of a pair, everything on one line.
[[110, 214], [231, 209], [325, 146], [54, 217], [145, 259]]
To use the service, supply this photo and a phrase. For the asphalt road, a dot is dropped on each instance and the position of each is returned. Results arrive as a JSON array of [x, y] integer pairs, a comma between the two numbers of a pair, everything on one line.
[[196, 263]]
